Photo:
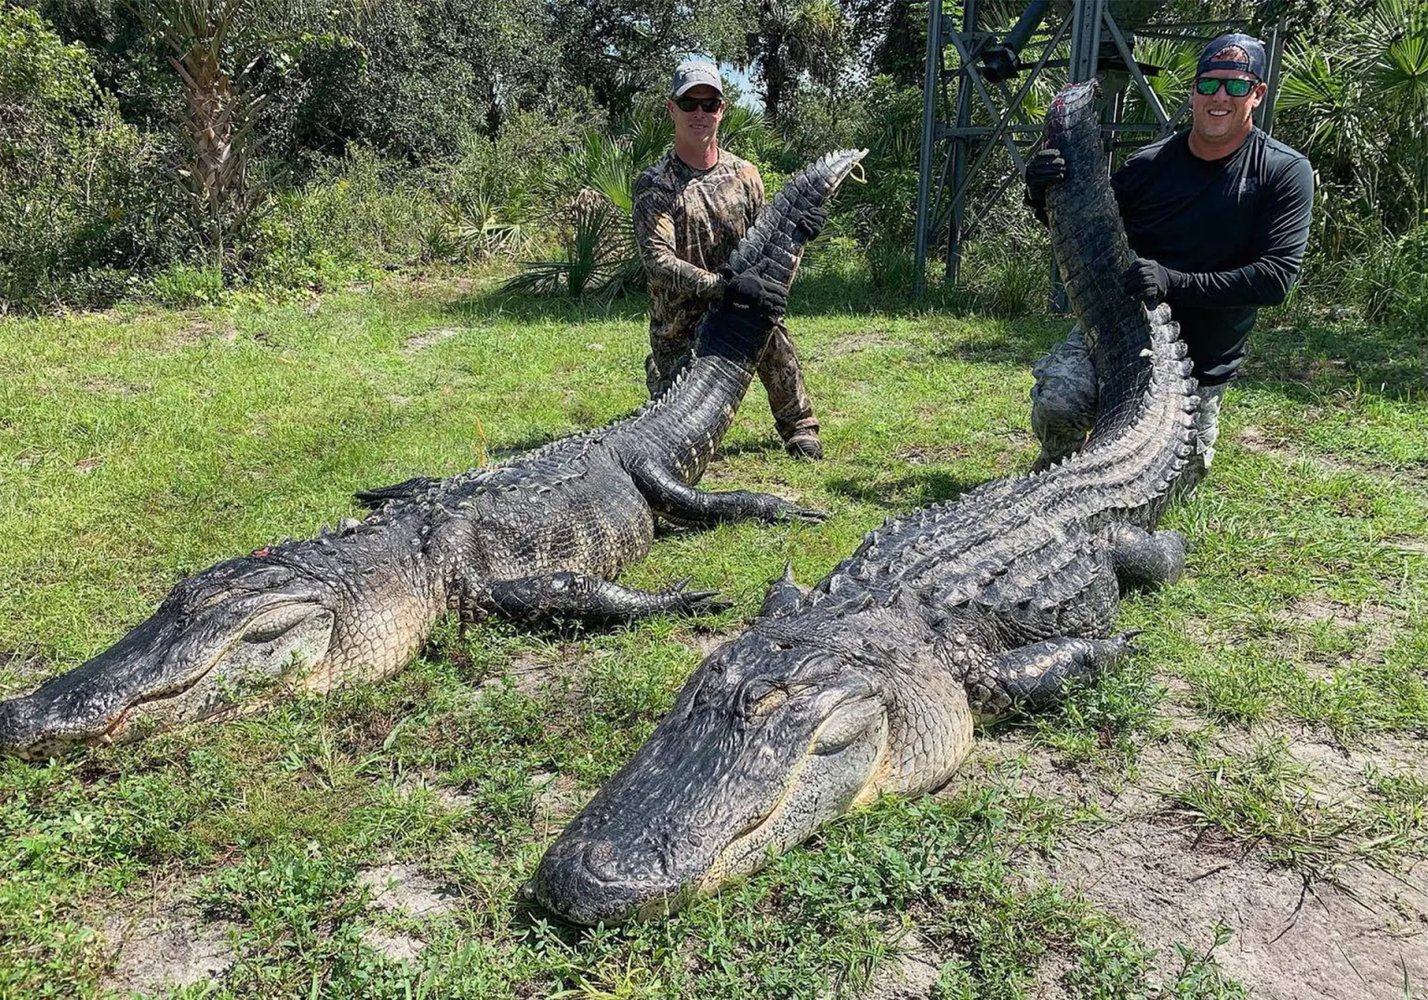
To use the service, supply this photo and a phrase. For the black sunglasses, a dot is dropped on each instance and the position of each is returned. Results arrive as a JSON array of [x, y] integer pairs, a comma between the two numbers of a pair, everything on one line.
[[709, 105], [1209, 86]]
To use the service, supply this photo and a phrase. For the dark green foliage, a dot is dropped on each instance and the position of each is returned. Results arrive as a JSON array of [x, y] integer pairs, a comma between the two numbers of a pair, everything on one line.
[[78, 209], [411, 132]]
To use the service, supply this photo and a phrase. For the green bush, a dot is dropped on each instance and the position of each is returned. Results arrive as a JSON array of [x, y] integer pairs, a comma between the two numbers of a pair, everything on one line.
[[357, 216], [1388, 280], [80, 210], [184, 285]]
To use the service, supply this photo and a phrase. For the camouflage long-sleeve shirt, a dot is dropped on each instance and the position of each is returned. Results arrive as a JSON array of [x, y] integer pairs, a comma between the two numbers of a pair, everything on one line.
[[687, 223]]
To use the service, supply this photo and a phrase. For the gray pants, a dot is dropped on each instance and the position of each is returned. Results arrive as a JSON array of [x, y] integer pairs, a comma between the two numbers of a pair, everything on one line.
[[1063, 409]]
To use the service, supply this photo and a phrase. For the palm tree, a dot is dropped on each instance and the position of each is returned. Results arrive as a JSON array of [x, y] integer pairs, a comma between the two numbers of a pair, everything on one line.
[[219, 112]]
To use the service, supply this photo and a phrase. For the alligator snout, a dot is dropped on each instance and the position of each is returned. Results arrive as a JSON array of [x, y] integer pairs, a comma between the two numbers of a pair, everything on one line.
[[41, 723], [582, 881], [22, 729], [87, 704]]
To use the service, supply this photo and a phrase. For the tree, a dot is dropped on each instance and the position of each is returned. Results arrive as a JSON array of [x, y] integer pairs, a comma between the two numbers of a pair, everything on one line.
[[620, 49], [789, 40]]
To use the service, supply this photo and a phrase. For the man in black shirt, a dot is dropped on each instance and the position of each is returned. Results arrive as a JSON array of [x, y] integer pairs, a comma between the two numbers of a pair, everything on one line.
[[1218, 217]]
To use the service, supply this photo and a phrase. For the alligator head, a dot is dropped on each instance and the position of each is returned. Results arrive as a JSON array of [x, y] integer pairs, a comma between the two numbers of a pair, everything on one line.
[[218, 637], [776, 733]]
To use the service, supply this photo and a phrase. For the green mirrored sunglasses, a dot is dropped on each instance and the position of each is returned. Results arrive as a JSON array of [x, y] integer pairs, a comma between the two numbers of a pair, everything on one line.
[[708, 105], [1208, 86]]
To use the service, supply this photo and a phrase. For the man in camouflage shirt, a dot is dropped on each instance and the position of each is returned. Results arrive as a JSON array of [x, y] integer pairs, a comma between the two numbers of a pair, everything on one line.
[[690, 211]]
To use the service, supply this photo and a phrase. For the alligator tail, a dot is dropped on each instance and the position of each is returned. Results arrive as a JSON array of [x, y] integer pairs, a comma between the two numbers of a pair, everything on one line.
[[774, 244], [685, 423], [1144, 430]]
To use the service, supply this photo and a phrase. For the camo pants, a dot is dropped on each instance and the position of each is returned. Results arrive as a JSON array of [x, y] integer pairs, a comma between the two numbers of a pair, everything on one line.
[[778, 370], [1063, 408]]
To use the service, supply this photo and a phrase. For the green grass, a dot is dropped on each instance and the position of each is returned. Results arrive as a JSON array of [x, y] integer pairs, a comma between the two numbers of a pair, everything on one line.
[[140, 445]]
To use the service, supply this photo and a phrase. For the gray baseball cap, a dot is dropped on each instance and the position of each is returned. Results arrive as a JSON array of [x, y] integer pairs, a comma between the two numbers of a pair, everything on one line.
[[693, 73]]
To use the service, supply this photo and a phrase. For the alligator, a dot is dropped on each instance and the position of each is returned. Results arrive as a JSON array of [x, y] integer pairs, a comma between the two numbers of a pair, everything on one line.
[[957, 614], [541, 536]]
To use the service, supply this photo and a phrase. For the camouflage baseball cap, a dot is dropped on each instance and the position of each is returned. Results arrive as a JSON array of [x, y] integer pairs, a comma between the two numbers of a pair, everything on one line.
[[1250, 46], [694, 73]]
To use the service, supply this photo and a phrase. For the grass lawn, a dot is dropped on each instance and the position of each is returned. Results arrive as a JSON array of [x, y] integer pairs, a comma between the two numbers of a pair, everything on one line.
[[1239, 810]]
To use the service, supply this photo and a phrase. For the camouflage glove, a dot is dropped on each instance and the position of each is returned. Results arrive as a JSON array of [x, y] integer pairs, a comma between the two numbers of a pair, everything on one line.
[[1146, 281], [1046, 168]]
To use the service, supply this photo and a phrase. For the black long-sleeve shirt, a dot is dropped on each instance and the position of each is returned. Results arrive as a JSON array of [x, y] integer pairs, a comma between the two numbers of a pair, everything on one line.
[[1231, 232]]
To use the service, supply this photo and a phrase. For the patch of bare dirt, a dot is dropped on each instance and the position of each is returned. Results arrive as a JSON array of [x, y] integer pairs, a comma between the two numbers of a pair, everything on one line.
[[25, 669], [1377, 624], [1290, 942], [530, 673], [938, 454], [1408, 543], [1351, 940], [911, 973], [1339, 772], [856, 342], [200, 330], [706, 642], [1260, 441], [405, 890], [165, 950], [421, 341], [107, 385], [395, 947], [413, 783], [1317, 609]]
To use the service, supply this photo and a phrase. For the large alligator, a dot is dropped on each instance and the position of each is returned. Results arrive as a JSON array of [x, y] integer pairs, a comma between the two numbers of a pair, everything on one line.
[[541, 536], [872, 681]]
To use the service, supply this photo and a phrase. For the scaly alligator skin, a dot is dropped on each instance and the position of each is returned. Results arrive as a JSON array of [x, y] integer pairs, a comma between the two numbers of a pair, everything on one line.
[[540, 536], [871, 682]]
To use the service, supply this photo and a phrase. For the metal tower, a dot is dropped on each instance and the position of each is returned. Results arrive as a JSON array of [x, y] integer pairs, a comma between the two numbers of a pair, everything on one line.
[[971, 113]]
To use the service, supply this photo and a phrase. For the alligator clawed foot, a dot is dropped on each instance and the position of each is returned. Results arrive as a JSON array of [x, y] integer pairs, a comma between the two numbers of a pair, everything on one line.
[[807, 515], [704, 602], [1125, 641], [698, 602]]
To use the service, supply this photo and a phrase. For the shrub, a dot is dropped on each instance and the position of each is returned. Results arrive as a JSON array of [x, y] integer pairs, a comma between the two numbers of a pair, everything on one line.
[[80, 212], [357, 216], [184, 285]]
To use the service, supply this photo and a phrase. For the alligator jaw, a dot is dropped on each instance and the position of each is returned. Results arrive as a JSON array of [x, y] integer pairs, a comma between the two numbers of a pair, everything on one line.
[[211, 644], [89, 704], [748, 762]]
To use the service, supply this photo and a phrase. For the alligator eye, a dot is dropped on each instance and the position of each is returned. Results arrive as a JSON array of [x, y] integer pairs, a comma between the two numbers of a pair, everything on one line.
[[848, 722], [769, 701], [273, 624]]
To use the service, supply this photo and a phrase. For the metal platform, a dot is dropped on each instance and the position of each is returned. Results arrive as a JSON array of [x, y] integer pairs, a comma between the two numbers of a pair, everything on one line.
[[976, 133]]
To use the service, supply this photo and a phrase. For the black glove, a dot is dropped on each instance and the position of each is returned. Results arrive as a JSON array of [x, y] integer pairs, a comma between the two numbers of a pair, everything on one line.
[[1146, 281], [748, 292], [813, 221], [1046, 168]]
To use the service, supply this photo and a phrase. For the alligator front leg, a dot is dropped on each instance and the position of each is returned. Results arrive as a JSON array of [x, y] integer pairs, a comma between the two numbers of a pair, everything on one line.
[[1034, 676], [677, 501], [578, 596], [1144, 559]]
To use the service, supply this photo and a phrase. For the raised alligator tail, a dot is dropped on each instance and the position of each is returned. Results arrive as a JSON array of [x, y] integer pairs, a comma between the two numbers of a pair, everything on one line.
[[774, 244], [1147, 395]]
